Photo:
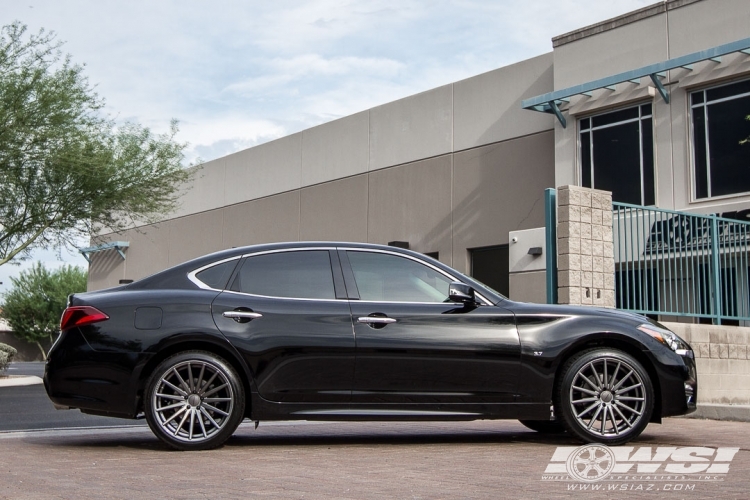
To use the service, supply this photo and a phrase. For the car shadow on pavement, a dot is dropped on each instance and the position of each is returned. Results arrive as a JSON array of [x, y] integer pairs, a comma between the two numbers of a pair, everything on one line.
[[311, 435]]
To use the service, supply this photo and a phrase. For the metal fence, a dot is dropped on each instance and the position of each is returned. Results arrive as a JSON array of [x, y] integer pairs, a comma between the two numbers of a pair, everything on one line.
[[679, 264]]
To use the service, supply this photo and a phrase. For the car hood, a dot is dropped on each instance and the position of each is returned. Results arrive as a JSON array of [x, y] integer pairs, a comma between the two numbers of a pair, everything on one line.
[[569, 310]]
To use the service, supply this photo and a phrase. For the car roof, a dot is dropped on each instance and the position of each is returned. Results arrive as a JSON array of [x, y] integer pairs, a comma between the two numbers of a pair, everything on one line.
[[176, 276]]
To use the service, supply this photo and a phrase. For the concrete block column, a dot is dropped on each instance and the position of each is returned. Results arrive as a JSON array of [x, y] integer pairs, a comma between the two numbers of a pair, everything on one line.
[[586, 259]]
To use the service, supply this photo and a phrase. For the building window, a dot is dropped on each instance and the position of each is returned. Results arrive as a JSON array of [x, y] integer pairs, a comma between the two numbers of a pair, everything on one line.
[[721, 163], [617, 154], [490, 266]]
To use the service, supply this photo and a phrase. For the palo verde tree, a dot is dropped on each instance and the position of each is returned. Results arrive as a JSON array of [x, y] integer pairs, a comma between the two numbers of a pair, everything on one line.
[[65, 168], [37, 299]]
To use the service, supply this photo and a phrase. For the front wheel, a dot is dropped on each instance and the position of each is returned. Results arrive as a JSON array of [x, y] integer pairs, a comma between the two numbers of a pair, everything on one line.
[[194, 401], [605, 396]]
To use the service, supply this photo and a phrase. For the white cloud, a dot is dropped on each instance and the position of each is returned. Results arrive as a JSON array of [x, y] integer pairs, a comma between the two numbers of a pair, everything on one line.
[[278, 72], [214, 129]]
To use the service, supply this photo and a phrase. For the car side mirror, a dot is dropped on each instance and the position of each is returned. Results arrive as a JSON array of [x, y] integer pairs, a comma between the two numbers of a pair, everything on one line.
[[460, 292]]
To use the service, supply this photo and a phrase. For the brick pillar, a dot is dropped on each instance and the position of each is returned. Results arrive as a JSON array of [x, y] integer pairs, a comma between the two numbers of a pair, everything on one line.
[[586, 259]]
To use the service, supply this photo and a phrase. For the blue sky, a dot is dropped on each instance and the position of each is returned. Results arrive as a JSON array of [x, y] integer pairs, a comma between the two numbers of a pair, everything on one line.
[[240, 73]]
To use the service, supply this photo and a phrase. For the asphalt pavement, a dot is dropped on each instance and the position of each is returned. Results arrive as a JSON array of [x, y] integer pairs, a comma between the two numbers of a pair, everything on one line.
[[65, 454], [366, 460], [35, 368], [28, 407]]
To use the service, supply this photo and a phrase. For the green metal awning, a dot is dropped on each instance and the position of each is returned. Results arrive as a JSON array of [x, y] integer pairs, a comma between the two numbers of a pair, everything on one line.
[[117, 245], [551, 101]]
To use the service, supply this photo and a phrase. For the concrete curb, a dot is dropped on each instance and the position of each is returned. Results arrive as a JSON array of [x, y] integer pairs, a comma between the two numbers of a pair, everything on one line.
[[19, 380], [736, 413]]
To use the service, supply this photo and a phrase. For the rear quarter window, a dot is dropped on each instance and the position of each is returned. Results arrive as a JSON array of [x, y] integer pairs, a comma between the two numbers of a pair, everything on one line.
[[218, 275]]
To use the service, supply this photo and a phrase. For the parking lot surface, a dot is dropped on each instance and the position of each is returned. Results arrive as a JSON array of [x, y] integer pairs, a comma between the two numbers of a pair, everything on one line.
[[483, 459]]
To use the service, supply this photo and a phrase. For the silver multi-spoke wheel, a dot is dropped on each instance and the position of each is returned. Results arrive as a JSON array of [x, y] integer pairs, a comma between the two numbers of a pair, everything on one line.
[[194, 401], [606, 396]]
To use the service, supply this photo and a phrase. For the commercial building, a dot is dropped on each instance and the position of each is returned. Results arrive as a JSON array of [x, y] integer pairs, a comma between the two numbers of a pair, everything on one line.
[[650, 105]]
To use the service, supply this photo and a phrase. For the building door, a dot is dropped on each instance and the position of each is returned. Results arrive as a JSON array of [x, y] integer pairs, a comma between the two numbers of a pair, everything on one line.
[[490, 266]]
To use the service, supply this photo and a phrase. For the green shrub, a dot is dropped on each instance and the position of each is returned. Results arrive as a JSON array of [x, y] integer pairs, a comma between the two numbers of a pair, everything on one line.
[[7, 353]]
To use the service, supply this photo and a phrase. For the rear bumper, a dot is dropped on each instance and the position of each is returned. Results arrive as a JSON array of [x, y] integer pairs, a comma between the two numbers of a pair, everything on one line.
[[76, 376]]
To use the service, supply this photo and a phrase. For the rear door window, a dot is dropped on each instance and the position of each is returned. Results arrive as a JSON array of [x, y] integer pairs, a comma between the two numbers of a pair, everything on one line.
[[302, 274]]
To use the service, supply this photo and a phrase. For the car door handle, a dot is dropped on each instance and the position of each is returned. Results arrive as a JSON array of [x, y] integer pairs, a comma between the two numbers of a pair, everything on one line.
[[375, 320], [242, 316]]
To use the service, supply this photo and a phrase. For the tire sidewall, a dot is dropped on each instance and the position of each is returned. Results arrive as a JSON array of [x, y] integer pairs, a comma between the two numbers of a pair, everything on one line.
[[564, 408], [235, 418]]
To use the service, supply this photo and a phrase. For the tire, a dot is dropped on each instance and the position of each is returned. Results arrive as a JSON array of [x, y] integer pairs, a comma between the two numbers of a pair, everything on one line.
[[604, 396], [544, 426], [194, 400]]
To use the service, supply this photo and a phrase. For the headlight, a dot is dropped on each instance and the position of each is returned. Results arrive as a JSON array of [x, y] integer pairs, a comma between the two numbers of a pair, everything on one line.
[[668, 338]]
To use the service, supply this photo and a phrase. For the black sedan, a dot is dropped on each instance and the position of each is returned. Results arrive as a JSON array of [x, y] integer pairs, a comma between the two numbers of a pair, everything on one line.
[[348, 331]]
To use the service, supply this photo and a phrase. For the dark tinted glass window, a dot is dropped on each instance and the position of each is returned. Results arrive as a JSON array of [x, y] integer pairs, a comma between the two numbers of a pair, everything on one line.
[[699, 149], [647, 165], [720, 160], [617, 154], [728, 91], [618, 164], [304, 274], [218, 275], [586, 159], [490, 266], [386, 277], [614, 117]]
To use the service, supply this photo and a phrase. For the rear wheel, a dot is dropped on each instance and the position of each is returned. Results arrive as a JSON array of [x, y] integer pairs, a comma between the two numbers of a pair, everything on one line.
[[544, 426], [194, 401], [605, 396]]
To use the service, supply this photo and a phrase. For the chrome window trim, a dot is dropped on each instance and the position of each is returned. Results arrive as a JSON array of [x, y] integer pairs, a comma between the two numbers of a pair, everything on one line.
[[281, 298], [279, 250], [191, 275]]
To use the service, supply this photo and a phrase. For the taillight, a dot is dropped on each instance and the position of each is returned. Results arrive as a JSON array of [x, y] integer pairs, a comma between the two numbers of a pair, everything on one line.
[[75, 316]]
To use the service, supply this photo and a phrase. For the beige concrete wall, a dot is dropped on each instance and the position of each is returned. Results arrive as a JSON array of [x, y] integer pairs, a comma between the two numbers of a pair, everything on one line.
[[443, 204], [723, 361], [497, 189], [486, 107], [413, 203], [610, 52], [271, 219], [336, 149], [529, 287], [335, 211], [410, 129]]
